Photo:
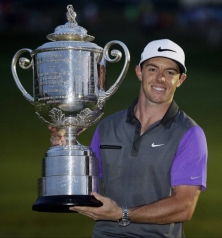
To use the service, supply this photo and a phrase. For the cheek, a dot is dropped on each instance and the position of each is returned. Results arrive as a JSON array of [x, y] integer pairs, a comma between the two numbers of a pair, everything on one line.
[[145, 82], [175, 82]]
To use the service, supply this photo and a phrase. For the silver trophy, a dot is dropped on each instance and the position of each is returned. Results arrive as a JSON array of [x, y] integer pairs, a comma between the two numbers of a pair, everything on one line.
[[69, 76]]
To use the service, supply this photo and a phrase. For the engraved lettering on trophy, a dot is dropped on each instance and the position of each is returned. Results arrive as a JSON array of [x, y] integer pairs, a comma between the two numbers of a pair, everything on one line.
[[42, 61], [53, 91], [53, 59], [52, 66], [53, 73], [91, 74], [52, 99], [48, 82], [52, 78]]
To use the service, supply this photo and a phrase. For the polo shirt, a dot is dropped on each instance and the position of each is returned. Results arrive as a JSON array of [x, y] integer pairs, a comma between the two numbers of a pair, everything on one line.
[[142, 169]]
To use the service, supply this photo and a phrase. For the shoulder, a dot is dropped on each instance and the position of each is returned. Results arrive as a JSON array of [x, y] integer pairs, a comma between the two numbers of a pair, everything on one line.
[[194, 139], [183, 121], [193, 133]]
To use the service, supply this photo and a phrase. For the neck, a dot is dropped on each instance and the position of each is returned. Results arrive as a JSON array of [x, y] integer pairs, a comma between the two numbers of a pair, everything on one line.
[[148, 112]]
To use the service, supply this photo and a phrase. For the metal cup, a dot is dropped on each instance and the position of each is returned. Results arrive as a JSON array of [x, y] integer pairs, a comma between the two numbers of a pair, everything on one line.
[[69, 77]]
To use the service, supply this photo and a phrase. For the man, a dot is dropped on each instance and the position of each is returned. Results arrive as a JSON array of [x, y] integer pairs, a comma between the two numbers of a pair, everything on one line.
[[153, 155]]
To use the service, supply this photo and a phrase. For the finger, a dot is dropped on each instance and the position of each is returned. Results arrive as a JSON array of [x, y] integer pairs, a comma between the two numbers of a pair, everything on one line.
[[83, 209], [98, 196], [56, 141], [51, 128], [92, 211], [57, 136], [81, 131], [61, 132], [56, 132]]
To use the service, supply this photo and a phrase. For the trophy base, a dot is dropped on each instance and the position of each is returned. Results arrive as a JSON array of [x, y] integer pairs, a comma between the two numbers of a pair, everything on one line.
[[61, 203]]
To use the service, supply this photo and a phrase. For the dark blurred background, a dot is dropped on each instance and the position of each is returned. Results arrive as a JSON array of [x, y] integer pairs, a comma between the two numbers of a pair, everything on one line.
[[194, 24]]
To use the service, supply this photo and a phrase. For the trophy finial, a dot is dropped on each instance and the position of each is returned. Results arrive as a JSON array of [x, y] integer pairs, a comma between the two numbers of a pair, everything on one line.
[[71, 30], [71, 15]]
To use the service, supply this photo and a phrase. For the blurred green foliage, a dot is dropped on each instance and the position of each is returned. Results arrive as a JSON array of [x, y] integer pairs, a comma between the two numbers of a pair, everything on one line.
[[25, 139]]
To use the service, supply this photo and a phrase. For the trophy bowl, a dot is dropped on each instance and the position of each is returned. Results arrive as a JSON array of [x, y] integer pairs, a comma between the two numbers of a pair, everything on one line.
[[69, 77]]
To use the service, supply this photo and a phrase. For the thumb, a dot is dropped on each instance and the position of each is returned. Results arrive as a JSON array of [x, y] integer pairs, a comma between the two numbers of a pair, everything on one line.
[[98, 196]]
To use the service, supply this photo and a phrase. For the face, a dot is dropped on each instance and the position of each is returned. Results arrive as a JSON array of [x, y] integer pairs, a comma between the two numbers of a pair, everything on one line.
[[159, 79]]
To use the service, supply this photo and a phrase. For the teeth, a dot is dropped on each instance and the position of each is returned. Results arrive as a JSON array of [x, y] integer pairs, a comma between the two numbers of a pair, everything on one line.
[[159, 89]]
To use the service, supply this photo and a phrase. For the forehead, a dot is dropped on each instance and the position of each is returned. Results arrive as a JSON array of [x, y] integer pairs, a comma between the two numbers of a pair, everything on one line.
[[161, 61]]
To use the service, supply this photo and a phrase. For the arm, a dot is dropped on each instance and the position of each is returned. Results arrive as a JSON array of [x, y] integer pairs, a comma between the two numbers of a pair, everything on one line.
[[177, 208]]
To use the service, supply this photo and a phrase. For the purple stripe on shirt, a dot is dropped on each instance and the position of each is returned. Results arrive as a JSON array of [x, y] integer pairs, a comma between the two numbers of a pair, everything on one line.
[[189, 166]]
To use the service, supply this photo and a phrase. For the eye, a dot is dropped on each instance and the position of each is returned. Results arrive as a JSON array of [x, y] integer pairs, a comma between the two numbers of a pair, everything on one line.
[[151, 69], [171, 72]]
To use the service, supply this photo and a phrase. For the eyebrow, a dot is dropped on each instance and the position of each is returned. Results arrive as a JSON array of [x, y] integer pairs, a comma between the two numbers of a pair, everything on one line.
[[150, 64]]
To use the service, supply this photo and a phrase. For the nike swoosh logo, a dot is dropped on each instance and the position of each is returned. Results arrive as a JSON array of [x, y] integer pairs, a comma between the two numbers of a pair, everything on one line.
[[153, 145], [195, 177], [160, 50]]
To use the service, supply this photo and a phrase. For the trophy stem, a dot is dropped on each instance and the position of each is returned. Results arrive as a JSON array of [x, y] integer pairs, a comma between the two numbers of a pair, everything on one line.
[[71, 134]]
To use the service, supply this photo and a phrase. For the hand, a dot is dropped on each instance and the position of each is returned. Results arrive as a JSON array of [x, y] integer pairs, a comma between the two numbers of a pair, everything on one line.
[[57, 136], [108, 211]]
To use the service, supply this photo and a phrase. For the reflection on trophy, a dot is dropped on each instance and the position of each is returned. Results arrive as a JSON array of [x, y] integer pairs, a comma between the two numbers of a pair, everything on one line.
[[69, 77]]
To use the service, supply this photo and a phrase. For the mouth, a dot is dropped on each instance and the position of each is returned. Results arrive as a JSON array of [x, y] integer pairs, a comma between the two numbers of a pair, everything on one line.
[[158, 89]]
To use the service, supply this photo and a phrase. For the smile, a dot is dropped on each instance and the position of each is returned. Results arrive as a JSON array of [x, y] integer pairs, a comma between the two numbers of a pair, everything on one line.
[[158, 89]]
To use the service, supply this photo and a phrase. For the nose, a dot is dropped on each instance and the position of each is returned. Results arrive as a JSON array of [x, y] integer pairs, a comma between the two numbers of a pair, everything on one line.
[[160, 77]]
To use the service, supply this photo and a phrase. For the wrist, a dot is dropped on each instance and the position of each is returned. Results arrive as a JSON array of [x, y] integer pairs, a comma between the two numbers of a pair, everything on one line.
[[119, 213], [125, 219]]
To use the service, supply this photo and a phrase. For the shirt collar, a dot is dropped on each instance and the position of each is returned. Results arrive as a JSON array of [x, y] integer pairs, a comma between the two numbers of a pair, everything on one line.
[[166, 121]]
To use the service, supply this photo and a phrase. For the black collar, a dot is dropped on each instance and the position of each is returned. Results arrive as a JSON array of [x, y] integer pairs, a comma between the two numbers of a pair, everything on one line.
[[166, 121]]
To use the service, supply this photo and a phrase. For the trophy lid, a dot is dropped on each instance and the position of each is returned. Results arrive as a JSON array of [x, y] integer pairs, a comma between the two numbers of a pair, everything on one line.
[[70, 31]]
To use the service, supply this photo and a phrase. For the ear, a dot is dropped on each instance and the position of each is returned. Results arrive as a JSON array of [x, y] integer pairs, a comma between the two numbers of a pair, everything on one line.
[[138, 72], [181, 79]]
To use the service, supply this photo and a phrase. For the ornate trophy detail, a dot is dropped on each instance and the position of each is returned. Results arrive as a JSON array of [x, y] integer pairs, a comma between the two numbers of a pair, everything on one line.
[[69, 77], [71, 15]]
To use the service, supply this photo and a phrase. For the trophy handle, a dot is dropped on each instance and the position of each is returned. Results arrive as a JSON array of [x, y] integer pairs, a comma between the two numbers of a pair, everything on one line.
[[24, 64], [103, 96]]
